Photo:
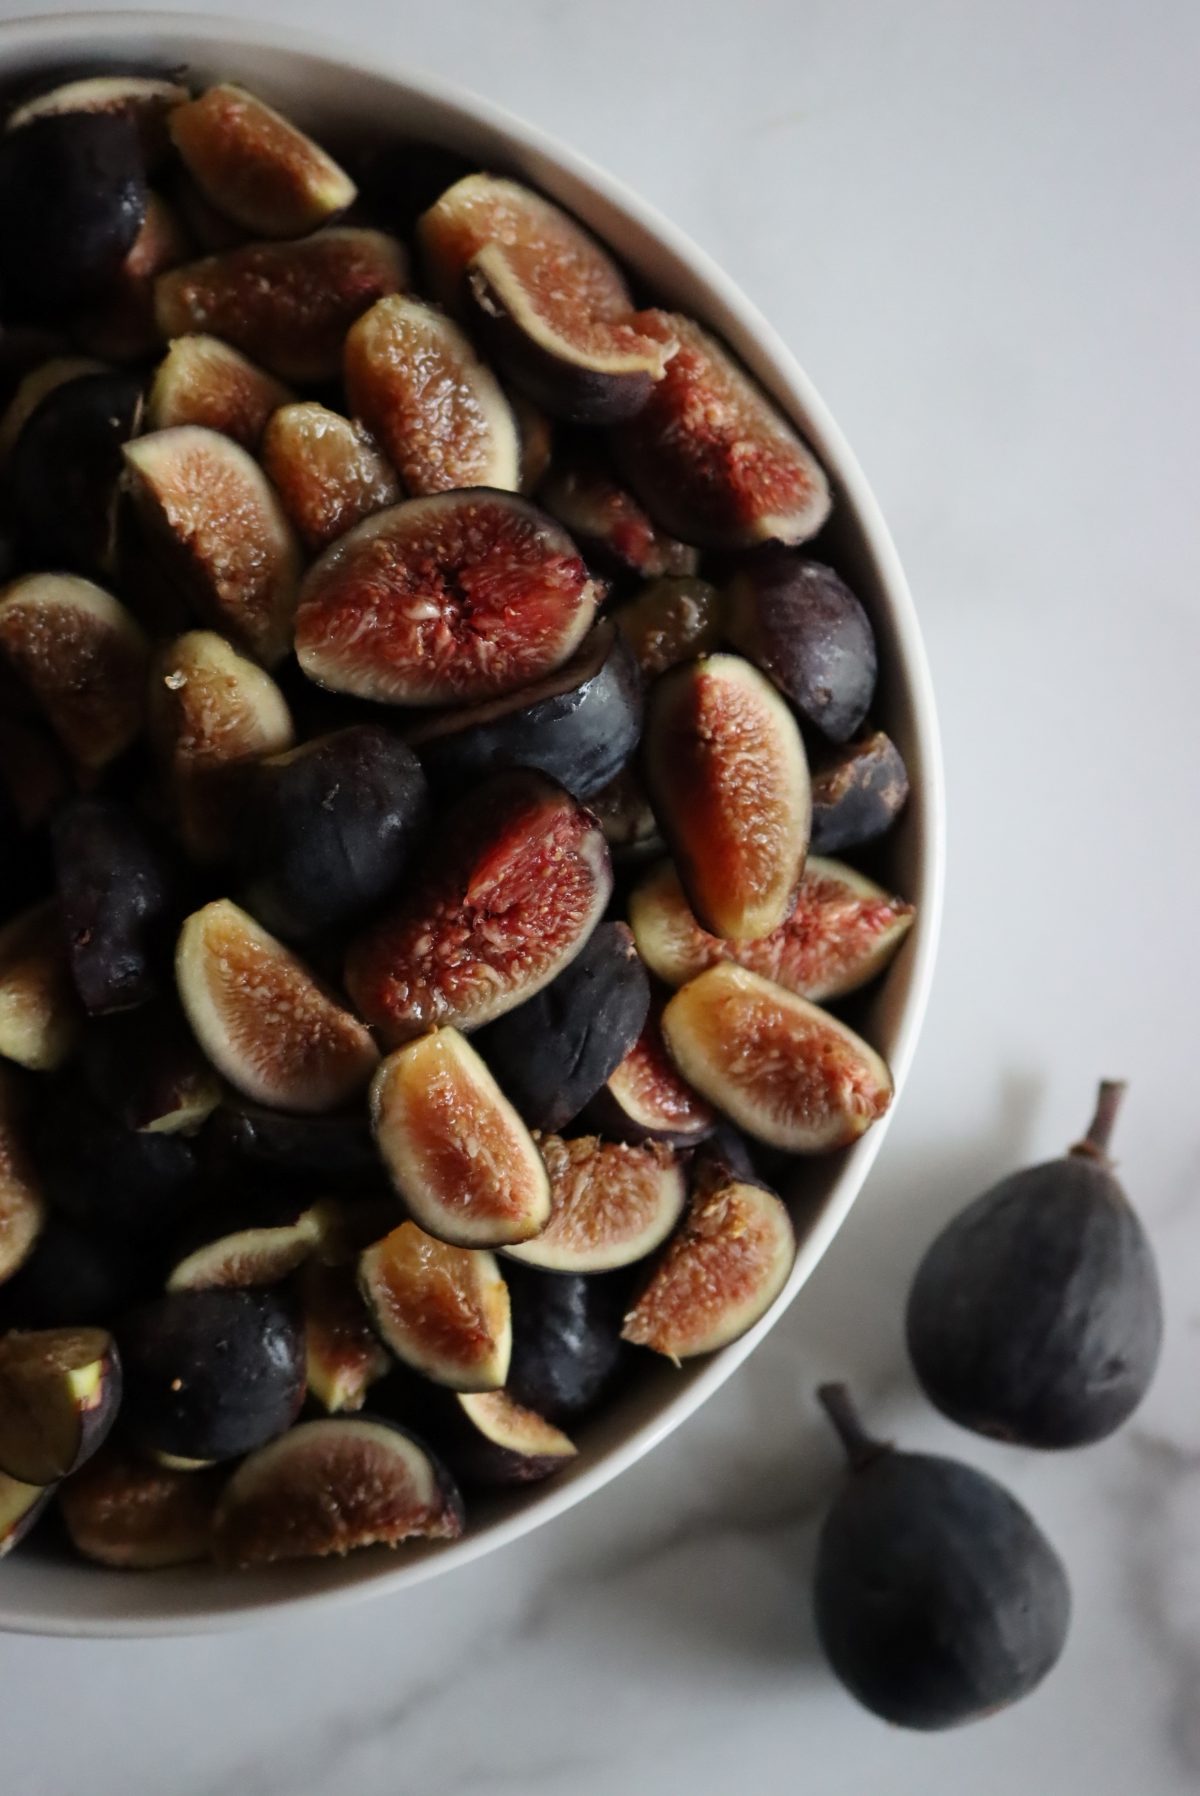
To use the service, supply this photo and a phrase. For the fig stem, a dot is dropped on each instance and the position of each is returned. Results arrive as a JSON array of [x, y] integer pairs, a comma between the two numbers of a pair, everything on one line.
[[1095, 1143], [861, 1448]]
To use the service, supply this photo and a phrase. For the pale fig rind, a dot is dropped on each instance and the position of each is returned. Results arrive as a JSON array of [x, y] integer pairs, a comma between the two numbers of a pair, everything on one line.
[[147, 99]]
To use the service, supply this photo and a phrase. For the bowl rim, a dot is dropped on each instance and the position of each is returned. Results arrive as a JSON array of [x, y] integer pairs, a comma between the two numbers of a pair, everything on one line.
[[78, 33]]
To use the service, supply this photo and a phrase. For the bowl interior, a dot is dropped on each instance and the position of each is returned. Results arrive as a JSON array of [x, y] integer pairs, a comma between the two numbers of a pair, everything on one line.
[[42, 1591]]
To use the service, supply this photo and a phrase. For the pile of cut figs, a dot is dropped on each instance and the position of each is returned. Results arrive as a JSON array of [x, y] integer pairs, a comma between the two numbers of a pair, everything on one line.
[[426, 752]]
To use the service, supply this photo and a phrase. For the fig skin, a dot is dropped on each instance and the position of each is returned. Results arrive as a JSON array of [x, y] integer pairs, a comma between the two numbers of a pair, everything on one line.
[[122, 327], [442, 1310], [21, 1508], [1036, 1315], [589, 1230], [615, 534], [60, 1390], [799, 621], [202, 380], [567, 1354], [256, 1146], [938, 1599], [64, 470], [122, 1512], [22, 1206], [39, 1012], [857, 794], [255, 166], [115, 897], [131, 1185], [329, 472]]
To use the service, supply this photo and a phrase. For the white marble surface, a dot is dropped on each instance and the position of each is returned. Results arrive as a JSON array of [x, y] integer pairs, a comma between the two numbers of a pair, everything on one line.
[[977, 226]]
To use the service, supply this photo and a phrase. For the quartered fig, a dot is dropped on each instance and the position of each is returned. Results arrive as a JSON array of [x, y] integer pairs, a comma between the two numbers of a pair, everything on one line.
[[624, 814], [857, 794], [711, 458], [146, 99], [287, 306], [447, 600], [442, 1310], [21, 1507], [60, 1390], [126, 1184], [454, 1147], [579, 724], [65, 466], [645, 1098], [799, 621], [255, 166], [35, 384], [673, 619], [843, 931], [553, 1053], [263, 1019], [124, 1512], [1036, 1316], [611, 1204], [566, 1352], [330, 1486], [39, 1011], [257, 1147], [121, 326], [490, 1440], [938, 1599], [202, 380], [22, 1207], [114, 894], [415, 380], [788, 1073], [329, 472], [245, 1246], [508, 896], [611, 528], [727, 776], [344, 1355]]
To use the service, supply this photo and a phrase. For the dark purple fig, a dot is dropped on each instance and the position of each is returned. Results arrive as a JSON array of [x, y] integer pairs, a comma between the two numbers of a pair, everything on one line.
[[34, 779], [331, 828], [115, 899], [35, 384], [255, 166], [615, 534], [210, 1375], [938, 1599], [203, 381], [442, 1310], [121, 326], [39, 1012], [22, 1208], [673, 619], [245, 1246], [317, 1152], [21, 1507], [60, 1389], [121, 1511], [645, 1098], [566, 1350], [402, 177], [65, 466], [24, 348], [611, 1204], [800, 622], [491, 1441], [857, 794], [145, 1068], [552, 1054], [131, 1183], [146, 99], [345, 1356], [74, 1278], [328, 471]]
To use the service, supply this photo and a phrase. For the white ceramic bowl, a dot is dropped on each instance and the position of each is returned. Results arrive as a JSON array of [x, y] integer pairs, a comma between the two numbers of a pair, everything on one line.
[[43, 1593]]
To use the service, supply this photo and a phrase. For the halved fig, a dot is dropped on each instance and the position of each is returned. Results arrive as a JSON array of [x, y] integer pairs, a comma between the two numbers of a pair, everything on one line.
[[611, 1204], [34, 386], [22, 1207], [508, 896], [329, 472], [212, 714], [39, 1011], [579, 724], [414, 379], [21, 1506], [210, 512], [624, 814], [202, 380], [843, 931], [146, 99], [728, 779], [857, 794], [124, 1512], [646, 1099], [718, 1275], [451, 599], [115, 895], [673, 619], [145, 1068], [345, 1356], [121, 326], [323, 1152], [65, 467], [799, 621], [789, 1074], [286, 305], [83, 658], [713, 460], [330, 1486], [246, 1247], [536, 436], [567, 1354], [492, 1440], [60, 1389], [263, 1019], [611, 528], [255, 166], [454, 1147], [442, 1310]]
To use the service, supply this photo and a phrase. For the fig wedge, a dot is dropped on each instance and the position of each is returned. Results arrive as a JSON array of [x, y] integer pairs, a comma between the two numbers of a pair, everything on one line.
[[646, 1099], [22, 1207], [60, 1389], [508, 896], [711, 458], [331, 1486], [611, 1204], [34, 386], [255, 166], [146, 99], [857, 794], [329, 473], [345, 1356], [144, 1067], [728, 778], [123, 1512], [454, 1147], [616, 535], [82, 657], [786, 1072], [202, 380], [446, 600], [799, 621], [262, 1018], [39, 1011], [480, 209], [115, 897], [287, 306], [414, 379], [21, 1507], [492, 1441], [442, 1310], [248, 1248], [64, 470]]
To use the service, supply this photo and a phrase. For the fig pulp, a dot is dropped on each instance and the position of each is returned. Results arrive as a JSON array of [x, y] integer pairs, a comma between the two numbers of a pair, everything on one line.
[[613, 531], [938, 1599], [21, 1506], [711, 458], [1036, 1315], [644, 1097], [60, 1390], [114, 894], [64, 470], [39, 1012], [728, 779], [492, 1441], [451, 599], [328, 472], [454, 1147], [509, 894], [255, 166], [442, 1310], [262, 1018], [857, 794], [801, 624], [789, 1074], [203, 381], [22, 1210], [566, 1351], [671, 620], [611, 1204], [121, 1511], [843, 931], [344, 1355]]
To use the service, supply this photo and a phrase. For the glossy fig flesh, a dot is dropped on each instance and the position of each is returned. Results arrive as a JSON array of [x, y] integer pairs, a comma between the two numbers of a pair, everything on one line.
[[210, 1375], [64, 470], [60, 1390], [264, 1021], [508, 896], [331, 1486], [203, 381], [843, 931], [415, 380], [580, 724], [713, 460], [22, 1207], [493, 1442], [645, 1098], [123, 1512], [442, 1310], [799, 621], [328, 471], [128, 1185], [566, 1352], [938, 1599], [39, 1011], [287, 306], [787, 1073], [857, 794], [553, 1053], [452, 599], [146, 99], [613, 531], [82, 657], [345, 1356], [248, 1246], [727, 775], [212, 518], [263, 1147], [121, 326], [145, 1068], [455, 1148], [1036, 1316], [115, 898], [21, 1507], [255, 166], [611, 1204], [673, 619]]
